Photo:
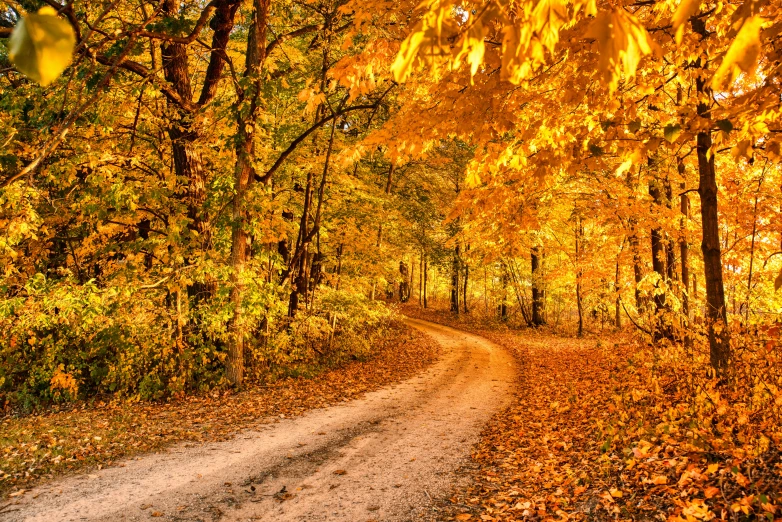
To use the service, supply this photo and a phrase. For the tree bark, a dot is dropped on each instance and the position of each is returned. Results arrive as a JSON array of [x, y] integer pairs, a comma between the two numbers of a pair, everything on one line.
[[188, 161], [421, 280], [455, 281], [658, 246], [464, 290], [504, 303], [716, 313], [464, 286], [684, 249], [618, 301], [426, 278], [579, 301], [670, 253], [246, 113], [752, 244], [637, 269], [538, 295]]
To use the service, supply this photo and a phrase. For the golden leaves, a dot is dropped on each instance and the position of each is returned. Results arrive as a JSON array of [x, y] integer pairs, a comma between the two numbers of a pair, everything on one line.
[[742, 54], [686, 9], [547, 20], [473, 48], [427, 38], [41, 45], [622, 41]]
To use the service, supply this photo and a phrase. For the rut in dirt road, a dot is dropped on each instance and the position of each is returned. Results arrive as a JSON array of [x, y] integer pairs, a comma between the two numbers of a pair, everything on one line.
[[386, 457]]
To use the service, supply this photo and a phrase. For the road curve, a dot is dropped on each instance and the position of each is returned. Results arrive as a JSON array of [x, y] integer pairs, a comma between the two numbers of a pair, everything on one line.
[[385, 457]]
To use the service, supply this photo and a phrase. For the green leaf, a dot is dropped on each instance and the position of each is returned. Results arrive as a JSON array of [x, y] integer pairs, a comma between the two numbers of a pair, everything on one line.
[[41, 45], [634, 126], [671, 132], [724, 125]]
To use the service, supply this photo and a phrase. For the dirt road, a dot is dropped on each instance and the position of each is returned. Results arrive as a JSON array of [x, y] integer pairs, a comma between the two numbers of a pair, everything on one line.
[[386, 457]]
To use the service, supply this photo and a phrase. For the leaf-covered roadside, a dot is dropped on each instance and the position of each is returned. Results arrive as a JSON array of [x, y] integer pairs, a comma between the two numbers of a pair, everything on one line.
[[611, 428], [36, 447]]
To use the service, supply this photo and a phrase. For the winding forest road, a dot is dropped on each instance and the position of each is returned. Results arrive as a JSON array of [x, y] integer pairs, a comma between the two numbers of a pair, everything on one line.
[[385, 457]]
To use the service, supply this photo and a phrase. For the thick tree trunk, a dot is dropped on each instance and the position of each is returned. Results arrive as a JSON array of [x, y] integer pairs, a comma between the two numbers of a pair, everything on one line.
[[538, 295], [188, 162], [716, 313], [661, 264], [184, 135]]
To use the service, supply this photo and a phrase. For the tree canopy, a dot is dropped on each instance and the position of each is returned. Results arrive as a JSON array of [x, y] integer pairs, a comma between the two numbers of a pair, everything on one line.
[[195, 193]]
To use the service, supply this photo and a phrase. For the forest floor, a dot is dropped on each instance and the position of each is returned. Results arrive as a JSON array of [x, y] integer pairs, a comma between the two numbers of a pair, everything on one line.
[[391, 455], [87, 437], [602, 428]]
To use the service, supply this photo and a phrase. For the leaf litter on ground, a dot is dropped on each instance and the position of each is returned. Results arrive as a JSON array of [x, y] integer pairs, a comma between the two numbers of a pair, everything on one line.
[[610, 427]]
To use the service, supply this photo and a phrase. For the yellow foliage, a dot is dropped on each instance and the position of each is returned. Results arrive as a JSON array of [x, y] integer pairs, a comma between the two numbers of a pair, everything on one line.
[[741, 56], [41, 45]]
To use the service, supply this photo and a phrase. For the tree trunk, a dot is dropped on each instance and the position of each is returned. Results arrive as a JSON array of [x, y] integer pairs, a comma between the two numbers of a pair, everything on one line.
[[618, 301], [301, 255], [684, 249], [716, 313], [658, 246], [421, 280], [243, 176], [579, 303], [538, 295], [455, 281], [637, 268], [464, 291], [339, 264], [504, 302], [426, 278], [188, 162], [670, 253], [379, 242], [752, 245]]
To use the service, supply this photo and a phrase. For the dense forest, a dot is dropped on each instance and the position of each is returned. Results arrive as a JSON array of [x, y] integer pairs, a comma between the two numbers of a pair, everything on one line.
[[197, 193], [212, 195]]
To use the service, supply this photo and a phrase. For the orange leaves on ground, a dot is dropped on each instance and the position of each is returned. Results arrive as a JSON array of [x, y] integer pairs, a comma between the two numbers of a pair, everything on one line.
[[610, 428]]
